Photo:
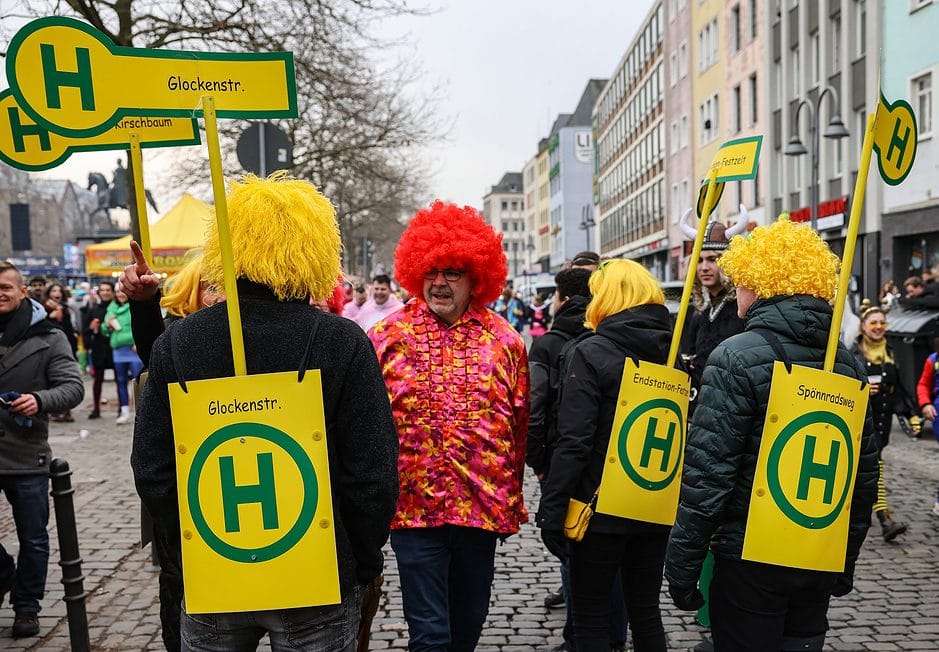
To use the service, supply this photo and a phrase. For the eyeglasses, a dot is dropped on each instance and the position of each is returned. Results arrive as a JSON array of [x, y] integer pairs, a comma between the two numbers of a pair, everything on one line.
[[448, 274]]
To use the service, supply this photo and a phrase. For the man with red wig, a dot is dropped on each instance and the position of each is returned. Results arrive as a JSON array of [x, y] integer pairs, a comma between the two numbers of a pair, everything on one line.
[[457, 376]]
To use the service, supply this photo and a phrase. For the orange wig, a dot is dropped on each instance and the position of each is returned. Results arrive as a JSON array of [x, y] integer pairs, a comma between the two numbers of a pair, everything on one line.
[[446, 236]]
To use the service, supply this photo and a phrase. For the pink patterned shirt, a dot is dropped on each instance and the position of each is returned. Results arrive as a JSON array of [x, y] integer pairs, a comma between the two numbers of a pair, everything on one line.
[[460, 400]]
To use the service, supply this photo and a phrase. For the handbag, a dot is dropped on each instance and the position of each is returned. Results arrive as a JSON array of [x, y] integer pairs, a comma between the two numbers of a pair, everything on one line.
[[578, 518]]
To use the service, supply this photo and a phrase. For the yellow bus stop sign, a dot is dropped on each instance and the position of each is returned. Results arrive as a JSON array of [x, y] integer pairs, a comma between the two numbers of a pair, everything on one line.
[[800, 503], [69, 78], [895, 137], [737, 160], [255, 503], [28, 146], [642, 475]]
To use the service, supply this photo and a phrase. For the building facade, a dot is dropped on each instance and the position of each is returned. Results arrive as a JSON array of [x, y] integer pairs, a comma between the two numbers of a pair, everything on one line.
[[679, 156], [909, 243], [503, 209], [829, 48], [629, 122]]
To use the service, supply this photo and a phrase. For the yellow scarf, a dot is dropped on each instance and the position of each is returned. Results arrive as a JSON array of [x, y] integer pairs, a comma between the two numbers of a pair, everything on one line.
[[875, 351]]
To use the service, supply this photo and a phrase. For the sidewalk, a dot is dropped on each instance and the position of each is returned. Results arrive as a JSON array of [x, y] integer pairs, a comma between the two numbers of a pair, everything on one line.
[[895, 605]]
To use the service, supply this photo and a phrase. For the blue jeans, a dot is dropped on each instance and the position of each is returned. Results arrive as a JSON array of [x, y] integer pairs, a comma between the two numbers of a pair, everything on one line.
[[330, 628], [123, 372], [28, 495], [446, 578]]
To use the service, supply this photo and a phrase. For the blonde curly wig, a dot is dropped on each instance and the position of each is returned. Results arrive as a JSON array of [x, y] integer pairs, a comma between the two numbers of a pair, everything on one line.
[[284, 235], [783, 258]]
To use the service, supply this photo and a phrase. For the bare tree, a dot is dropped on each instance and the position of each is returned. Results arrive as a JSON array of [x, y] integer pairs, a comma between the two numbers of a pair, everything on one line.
[[361, 120]]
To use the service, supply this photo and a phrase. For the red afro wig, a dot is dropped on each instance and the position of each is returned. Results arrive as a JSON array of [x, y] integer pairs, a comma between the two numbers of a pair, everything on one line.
[[447, 236]]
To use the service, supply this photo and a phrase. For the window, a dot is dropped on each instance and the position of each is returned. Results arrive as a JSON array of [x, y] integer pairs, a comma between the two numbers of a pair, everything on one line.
[[710, 115], [795, 71], [683, 59], [505, 226], [676, 209], [505, 205], [674, 137], [707, 46], [754, 26], [735, 118], [754, 111], [816, 58], [922, 100], [835, 45], [861, 27], [683, 132], [684, 191], [735, 29], [837, 157], [673, 68]]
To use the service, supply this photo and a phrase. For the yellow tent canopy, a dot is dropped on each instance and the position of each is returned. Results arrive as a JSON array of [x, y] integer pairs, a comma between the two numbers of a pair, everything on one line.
[[181, 229]]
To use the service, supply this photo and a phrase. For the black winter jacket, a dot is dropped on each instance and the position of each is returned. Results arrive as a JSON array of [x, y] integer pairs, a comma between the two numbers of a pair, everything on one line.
[[542, 358], [724, 438], [892, 398], [702, 334], [588, 406], [363, 442]]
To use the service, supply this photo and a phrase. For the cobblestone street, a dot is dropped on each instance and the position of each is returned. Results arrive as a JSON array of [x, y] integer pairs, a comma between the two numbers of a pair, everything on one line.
[[895, 605]]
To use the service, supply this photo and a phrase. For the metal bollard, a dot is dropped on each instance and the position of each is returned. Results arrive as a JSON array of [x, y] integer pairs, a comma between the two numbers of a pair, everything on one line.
[[69, 557]]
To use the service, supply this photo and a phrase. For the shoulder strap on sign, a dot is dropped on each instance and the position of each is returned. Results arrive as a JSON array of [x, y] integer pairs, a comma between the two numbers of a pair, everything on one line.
[[777, 346], [305, 360], [177, 363]]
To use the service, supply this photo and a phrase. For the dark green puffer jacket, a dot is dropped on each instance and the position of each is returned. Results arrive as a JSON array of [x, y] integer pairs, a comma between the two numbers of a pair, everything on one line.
[[724, 437]]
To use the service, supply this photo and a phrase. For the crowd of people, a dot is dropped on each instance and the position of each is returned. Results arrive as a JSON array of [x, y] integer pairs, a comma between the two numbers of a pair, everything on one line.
[[434, 406]]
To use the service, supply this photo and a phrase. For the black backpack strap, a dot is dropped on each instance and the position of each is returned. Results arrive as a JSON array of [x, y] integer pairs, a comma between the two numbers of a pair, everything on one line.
[[777, 346], [177, 363], [305, 360]]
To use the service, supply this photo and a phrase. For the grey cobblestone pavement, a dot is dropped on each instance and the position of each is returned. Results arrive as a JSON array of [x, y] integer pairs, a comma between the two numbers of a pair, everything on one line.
[[895, 605]]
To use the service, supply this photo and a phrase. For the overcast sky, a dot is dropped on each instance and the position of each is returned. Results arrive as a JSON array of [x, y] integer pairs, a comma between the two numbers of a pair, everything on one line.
[[507, 68]]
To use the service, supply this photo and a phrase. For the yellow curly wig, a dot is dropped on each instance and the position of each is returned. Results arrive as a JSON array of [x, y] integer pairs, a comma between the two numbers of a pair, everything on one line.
[[284, 235], [783, 258], [617, 285]]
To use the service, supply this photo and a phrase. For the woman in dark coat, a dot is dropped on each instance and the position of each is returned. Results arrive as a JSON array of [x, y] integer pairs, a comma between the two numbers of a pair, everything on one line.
[[628, 314], [56, 305], [887, 397]]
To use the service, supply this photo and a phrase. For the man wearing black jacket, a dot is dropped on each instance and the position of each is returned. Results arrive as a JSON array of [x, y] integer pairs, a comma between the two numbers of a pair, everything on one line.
[[279, 326], [98, 344]]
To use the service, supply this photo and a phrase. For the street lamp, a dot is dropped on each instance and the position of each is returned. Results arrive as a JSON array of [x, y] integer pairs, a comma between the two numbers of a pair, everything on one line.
[[835, 129], [586, 221]]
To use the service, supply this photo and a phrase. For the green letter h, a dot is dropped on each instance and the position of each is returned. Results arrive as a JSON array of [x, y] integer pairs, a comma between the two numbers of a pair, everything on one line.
[[263, 492], [897, 143], [663, 444], [812, 469], [19, 131], [54, 78]]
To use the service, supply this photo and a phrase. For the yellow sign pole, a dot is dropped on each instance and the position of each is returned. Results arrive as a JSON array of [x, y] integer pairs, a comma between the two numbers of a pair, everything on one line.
[[136, 164], [224, 236], [857, 205], [692, 269]]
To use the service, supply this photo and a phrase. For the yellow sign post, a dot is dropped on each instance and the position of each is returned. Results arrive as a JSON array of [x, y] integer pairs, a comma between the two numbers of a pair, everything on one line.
[[806, 469], [70, 78], [28, 146], [736, 160], [254, 494], [642, 475]]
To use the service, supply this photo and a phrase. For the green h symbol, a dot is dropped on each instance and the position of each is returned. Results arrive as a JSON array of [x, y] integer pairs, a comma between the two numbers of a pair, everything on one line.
[[652, 442], [20, 131], [55, 78], [898, 143], [812, 469], [263, 492]]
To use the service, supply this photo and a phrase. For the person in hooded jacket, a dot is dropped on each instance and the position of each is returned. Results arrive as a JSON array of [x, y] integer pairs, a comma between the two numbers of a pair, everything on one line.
[[627, 312], [785, 276]]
